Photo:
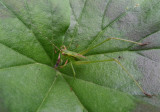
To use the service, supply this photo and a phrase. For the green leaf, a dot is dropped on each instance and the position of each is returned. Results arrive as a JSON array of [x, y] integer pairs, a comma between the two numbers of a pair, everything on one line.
[[133, 20], [28, 80]]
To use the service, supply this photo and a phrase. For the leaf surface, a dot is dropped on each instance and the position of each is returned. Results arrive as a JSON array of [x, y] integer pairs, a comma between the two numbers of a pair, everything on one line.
[[28, 81]]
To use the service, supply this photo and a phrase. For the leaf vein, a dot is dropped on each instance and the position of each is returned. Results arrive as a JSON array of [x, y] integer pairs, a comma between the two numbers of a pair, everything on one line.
[[18, 52], [144, 38], [106, 8], [146, 57], [15, 66], [75, 94], [27, 26], [45, 97], [100, 33], [78, 20]]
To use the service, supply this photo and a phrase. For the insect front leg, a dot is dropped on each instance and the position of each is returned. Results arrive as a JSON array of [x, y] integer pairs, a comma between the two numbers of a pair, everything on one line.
[[58, 61], [64, 64]]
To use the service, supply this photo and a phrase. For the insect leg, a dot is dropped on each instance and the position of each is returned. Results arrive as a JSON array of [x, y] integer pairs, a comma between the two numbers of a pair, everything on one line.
[[111, 38], [58, 61], [64, 64], [74, 73], [115, 60]]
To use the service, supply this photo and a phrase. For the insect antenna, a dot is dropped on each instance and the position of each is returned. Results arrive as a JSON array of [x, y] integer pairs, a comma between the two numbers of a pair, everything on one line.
[[52, 43], [59, 56]]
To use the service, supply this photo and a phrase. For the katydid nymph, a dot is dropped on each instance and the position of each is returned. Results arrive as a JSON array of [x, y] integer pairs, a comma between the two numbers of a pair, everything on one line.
[[79, 58]]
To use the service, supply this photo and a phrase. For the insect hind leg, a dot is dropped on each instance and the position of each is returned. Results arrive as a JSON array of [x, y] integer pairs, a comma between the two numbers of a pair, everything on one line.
[[108, 39], [118, 62]]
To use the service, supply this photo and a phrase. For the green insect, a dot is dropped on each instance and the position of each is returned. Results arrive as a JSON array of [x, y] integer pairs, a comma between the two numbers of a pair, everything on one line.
[[79, 58]]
